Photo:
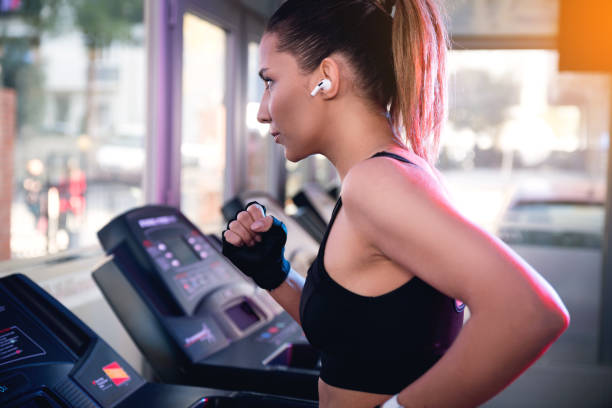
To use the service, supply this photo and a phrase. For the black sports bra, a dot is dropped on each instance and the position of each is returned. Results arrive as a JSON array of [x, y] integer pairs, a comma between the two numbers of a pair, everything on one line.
[[375, 344]]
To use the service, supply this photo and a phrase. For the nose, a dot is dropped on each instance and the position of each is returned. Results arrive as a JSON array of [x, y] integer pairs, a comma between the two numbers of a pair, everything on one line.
[[263, 116]]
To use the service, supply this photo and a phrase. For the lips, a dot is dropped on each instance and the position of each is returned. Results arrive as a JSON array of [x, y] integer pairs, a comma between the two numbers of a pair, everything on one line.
[[275, 135]]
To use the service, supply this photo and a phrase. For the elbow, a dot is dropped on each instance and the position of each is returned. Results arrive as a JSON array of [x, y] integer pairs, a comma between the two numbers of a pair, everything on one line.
[[554, 319], [562, 321], [541, 319], [548, 310]]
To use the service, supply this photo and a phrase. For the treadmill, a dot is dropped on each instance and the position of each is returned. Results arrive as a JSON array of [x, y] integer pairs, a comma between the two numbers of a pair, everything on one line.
[[51, 359], [195, 317], [318, 203]]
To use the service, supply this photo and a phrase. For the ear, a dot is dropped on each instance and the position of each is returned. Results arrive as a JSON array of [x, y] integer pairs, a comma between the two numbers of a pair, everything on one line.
[[328, 69]]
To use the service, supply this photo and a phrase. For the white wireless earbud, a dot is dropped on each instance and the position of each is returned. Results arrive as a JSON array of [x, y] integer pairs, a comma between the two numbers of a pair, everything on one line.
[[323, 85]]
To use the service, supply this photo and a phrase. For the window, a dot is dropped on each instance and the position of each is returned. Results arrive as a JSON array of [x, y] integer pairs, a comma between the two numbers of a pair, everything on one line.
[[516, 123], [524, 154], [259, 142], [498, 18], [73, 120], [203, 122]]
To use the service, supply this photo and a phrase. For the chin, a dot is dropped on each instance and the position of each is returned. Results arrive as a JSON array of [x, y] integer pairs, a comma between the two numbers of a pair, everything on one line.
[[294, 156], [293, 159]]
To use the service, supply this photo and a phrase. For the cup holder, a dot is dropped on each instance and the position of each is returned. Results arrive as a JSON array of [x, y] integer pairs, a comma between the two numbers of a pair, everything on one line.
[[298, 355]]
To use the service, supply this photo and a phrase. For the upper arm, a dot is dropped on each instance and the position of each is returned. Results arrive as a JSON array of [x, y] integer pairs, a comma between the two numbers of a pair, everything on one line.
[[403, 213]]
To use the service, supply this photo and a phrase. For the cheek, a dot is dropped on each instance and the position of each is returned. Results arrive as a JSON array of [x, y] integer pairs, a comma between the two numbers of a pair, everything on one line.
[[282, 106], [290, 111]]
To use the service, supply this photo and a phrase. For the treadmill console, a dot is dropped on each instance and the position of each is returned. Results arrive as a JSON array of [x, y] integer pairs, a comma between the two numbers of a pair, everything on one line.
[[190, 276], [178, 254], [51, 359], [191, 312]]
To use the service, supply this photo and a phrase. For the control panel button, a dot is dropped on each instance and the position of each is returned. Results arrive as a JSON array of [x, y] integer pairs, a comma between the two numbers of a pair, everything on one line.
[[169, 255], [203, 254], [175, 263], [153, 251], [161, 246], [163, 263]]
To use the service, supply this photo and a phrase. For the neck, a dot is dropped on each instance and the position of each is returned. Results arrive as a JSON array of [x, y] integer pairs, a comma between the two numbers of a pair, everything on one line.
[[356, 133]]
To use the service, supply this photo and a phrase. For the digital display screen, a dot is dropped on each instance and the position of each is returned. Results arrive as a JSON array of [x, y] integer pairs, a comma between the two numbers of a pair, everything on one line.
[[157, 221], [242, 315], [181, 250]]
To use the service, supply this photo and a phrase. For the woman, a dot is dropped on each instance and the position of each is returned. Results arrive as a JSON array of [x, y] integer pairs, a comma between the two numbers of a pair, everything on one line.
[[347, 79]]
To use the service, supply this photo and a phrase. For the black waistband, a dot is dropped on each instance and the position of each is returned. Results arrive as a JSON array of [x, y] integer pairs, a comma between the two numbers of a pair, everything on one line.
[[373, 375]]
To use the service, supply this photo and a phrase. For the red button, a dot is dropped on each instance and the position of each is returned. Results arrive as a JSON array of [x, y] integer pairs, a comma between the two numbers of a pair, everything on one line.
[[273, 329], [147, 243]]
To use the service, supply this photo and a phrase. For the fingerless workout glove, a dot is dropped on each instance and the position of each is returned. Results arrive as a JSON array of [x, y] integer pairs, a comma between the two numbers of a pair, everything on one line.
[[265, 261]]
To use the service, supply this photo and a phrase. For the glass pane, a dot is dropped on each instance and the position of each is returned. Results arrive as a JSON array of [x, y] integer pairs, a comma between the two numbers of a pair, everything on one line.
[[507, 17], [525, 156], [203, 122], [258, 139], [556, 224], [72, 119], [523, 129]]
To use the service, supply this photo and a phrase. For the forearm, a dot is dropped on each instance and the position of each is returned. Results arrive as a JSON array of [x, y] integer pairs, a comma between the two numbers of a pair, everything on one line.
[[288, 294], [486, 357]]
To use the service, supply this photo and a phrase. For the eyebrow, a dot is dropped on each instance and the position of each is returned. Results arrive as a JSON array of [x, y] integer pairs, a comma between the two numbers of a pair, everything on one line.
[[261, 73]]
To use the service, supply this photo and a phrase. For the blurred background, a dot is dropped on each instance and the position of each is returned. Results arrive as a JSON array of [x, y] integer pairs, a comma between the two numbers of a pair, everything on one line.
[[108, 105]]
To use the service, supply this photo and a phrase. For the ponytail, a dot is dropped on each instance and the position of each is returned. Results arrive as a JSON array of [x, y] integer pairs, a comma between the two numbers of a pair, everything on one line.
[[418, 106]]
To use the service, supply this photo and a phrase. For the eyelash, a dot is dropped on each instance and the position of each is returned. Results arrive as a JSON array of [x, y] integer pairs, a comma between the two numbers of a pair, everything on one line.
[[267, 82]]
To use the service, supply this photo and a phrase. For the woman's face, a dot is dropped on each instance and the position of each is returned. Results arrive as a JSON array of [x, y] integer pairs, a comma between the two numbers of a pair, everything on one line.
[[286, 103]]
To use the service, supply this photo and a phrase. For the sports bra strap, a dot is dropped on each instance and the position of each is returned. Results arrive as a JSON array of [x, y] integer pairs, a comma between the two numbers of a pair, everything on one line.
[[393, 156], [339, 202]]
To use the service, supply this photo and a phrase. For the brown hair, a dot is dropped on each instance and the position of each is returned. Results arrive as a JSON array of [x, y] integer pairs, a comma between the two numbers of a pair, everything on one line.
[[400, 61], [420, 45]]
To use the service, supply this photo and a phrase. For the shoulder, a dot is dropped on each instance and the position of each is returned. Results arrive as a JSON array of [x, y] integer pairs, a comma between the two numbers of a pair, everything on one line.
[[382, 183], [395, 206], [402, 212]]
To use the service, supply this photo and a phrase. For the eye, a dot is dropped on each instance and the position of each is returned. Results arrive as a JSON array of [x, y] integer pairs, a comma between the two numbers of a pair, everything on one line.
[[267, 82]]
